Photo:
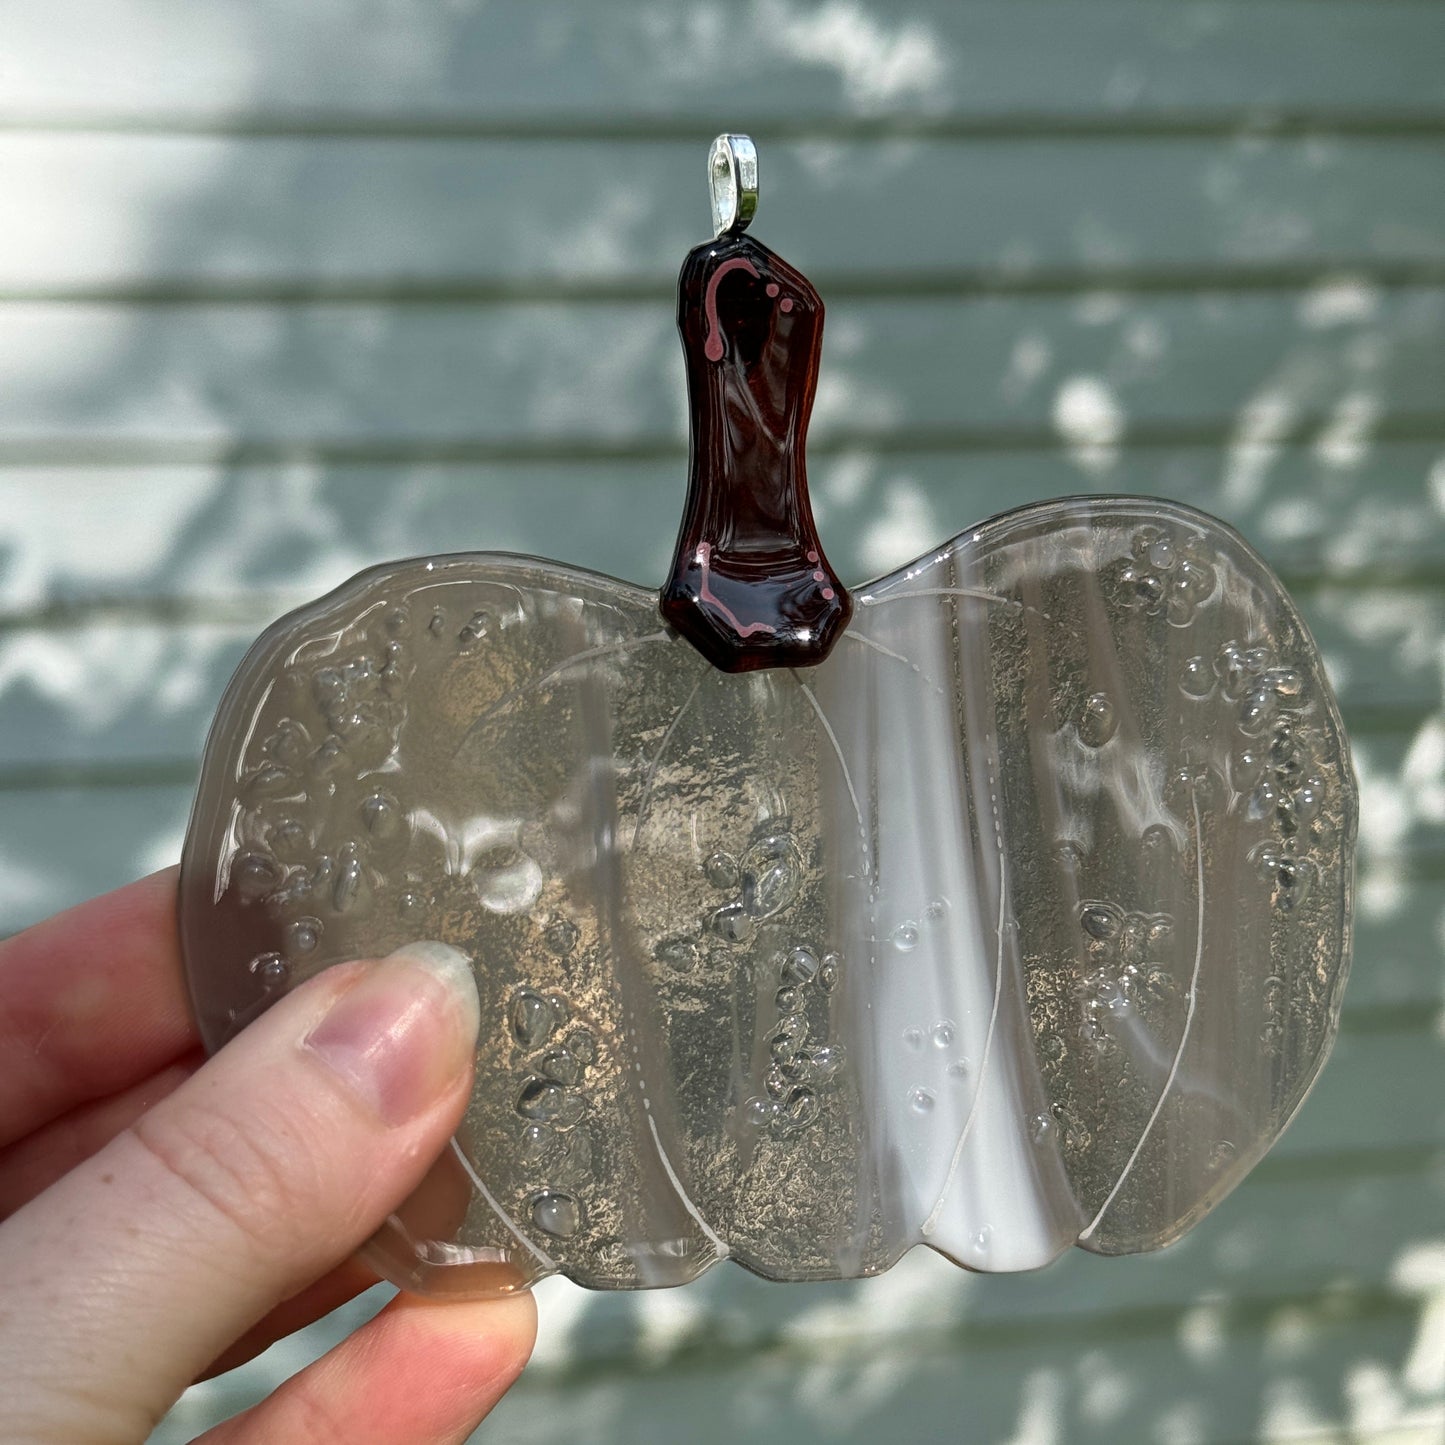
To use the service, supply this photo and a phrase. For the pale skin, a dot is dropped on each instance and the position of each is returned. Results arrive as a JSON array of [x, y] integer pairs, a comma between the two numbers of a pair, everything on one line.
[[163, 1218]]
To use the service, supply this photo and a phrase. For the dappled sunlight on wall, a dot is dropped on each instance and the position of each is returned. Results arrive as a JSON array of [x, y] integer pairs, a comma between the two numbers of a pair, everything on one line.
[[294, 288]]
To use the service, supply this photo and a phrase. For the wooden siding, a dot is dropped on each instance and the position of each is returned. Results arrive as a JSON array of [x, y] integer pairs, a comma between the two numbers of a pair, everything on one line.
[[288, 287]]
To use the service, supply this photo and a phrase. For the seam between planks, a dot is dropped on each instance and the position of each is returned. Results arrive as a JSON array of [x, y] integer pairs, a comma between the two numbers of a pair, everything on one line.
[[961, 285], [1233, 122], [88, 451], [927, 284], [1239, 1315]]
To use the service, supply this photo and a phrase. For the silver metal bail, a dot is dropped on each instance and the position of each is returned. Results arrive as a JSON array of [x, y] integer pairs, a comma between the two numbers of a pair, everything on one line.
[[732, 178]]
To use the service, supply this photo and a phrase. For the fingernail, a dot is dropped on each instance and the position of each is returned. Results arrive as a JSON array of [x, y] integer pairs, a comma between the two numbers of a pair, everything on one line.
[[401, 1036]]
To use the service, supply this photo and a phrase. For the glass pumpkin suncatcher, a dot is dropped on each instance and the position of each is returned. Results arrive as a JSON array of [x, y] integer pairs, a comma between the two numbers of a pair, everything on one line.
[[1000, 906]]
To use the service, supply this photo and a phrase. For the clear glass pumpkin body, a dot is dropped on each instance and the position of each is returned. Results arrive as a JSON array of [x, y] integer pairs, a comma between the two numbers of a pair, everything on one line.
[[1019, 921]]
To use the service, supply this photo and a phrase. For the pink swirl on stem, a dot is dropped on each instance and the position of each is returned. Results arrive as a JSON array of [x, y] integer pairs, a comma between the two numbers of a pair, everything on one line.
[[713, 347], [743, 629]]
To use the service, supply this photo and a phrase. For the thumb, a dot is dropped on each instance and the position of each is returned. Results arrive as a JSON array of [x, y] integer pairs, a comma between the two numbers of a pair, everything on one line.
[[275, 1161]]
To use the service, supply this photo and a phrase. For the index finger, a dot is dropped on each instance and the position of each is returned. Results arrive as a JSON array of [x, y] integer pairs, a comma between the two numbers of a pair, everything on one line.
[[91, 1001]]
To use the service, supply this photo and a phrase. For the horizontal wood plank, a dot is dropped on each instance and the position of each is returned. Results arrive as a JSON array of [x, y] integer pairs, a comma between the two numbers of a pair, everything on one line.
[[1121, 1379], [196, 215], [1266, 1243], [546, 64], [193, 540], [1402, 815], [1358, 1103], [60, 846], [1315, 1364], [334, 382]]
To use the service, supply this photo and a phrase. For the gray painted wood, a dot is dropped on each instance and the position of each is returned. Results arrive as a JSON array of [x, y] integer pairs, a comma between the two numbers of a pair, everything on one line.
[[1095, 1379], [1336, 506], [436, 381], [415, 216], [784, 62], [287, 289]]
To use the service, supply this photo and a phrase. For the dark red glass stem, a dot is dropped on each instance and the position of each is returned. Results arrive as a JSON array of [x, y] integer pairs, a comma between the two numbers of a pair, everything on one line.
[[750, 586]]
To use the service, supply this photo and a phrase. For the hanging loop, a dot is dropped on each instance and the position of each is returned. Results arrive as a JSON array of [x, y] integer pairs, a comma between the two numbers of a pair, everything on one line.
[[732, 178]]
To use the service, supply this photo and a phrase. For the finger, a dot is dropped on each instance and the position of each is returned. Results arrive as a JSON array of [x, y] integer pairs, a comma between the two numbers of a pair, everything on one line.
[[331, 1291], [269, 1166], [34, 1163], [434, 1209], [420, 1370], [91, 1002]]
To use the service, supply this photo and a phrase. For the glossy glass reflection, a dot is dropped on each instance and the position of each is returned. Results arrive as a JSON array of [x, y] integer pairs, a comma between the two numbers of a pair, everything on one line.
[[1020, 921], [750, 587]]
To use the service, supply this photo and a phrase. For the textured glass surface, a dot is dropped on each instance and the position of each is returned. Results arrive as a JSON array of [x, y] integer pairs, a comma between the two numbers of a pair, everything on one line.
[[1021, 921]]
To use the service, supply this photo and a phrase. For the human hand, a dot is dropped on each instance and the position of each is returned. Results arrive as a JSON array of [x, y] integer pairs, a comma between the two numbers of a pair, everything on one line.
[[160, 1215]]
